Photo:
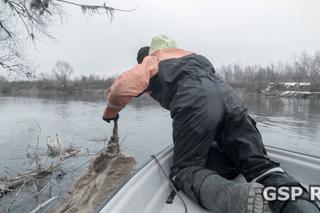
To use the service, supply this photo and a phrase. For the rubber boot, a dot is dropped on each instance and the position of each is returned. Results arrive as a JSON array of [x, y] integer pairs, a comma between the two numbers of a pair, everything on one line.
[[219, 195], [300, 206]]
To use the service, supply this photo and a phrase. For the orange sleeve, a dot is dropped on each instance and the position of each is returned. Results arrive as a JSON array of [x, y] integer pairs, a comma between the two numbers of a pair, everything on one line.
[[130, 84]]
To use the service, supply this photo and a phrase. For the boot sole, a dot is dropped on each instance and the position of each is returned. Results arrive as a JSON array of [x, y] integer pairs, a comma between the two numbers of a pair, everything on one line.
[[255, 202]]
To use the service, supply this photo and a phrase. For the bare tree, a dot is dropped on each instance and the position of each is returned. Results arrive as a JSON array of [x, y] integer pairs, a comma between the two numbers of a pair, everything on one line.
[[304, 68], [226, 73], [62, 72], [20, 21], [315, 68], [28, 20]]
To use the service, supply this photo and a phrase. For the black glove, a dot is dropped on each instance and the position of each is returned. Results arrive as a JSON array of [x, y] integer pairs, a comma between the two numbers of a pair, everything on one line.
[[110, 119]]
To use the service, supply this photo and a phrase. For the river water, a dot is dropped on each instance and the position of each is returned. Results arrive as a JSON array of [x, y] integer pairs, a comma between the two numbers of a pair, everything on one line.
[[292, 124]]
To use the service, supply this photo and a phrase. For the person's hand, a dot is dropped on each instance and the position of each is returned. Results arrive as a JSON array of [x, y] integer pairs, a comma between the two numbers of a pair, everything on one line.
[[110, 119]]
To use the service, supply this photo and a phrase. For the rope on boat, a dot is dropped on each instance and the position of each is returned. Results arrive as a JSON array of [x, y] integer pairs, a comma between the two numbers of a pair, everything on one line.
[[171, 183]]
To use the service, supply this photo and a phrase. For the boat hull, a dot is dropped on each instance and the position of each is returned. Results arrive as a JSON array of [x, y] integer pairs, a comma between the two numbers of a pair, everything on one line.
[[147, 190]]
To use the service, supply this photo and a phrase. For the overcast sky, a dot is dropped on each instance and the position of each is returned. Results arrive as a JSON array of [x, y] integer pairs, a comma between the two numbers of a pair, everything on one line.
[[245, 31]]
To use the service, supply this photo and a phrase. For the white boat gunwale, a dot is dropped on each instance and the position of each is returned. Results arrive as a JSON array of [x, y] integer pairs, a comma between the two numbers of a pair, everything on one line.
[[293, 157]]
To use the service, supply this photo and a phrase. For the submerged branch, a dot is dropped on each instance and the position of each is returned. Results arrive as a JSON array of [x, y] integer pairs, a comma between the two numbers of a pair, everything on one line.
[[44, 204]]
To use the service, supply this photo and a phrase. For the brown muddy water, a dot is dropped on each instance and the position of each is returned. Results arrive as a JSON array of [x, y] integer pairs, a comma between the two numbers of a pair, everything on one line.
[[292, 124]]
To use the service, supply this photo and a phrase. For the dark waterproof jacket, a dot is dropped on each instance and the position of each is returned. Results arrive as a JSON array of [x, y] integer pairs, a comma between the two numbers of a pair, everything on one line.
[[207, 116]]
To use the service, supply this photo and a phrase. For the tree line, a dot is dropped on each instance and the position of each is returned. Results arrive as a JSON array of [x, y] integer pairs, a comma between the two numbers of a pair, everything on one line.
[[303, 68], [59, 79]]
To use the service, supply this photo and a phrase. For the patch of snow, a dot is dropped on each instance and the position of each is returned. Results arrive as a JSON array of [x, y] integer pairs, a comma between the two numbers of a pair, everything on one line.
[[305, 84], [295, 93], [286, 93], [291, 84]]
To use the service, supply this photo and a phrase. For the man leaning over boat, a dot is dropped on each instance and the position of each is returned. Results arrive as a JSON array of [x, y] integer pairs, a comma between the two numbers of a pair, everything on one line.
[[214, 137]]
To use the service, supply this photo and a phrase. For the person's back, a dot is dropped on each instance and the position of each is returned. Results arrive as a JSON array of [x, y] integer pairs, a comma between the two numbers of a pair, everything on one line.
[[204, 110]]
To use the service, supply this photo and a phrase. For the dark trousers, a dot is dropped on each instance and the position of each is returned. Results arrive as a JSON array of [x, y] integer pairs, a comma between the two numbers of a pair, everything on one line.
[[212, 129], [208, 115]]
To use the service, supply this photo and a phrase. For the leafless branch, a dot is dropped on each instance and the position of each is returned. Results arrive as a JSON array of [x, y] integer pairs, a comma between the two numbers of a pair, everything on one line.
[[43, 204], [104, 6], [29, 20], [15, 196]]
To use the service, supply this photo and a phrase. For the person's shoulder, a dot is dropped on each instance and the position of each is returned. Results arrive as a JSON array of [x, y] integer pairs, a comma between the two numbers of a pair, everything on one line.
[[150, 59], [184, 51]]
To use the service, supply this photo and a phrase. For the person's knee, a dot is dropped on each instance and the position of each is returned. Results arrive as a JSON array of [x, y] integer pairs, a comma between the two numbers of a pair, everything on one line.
[[277, 179]]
